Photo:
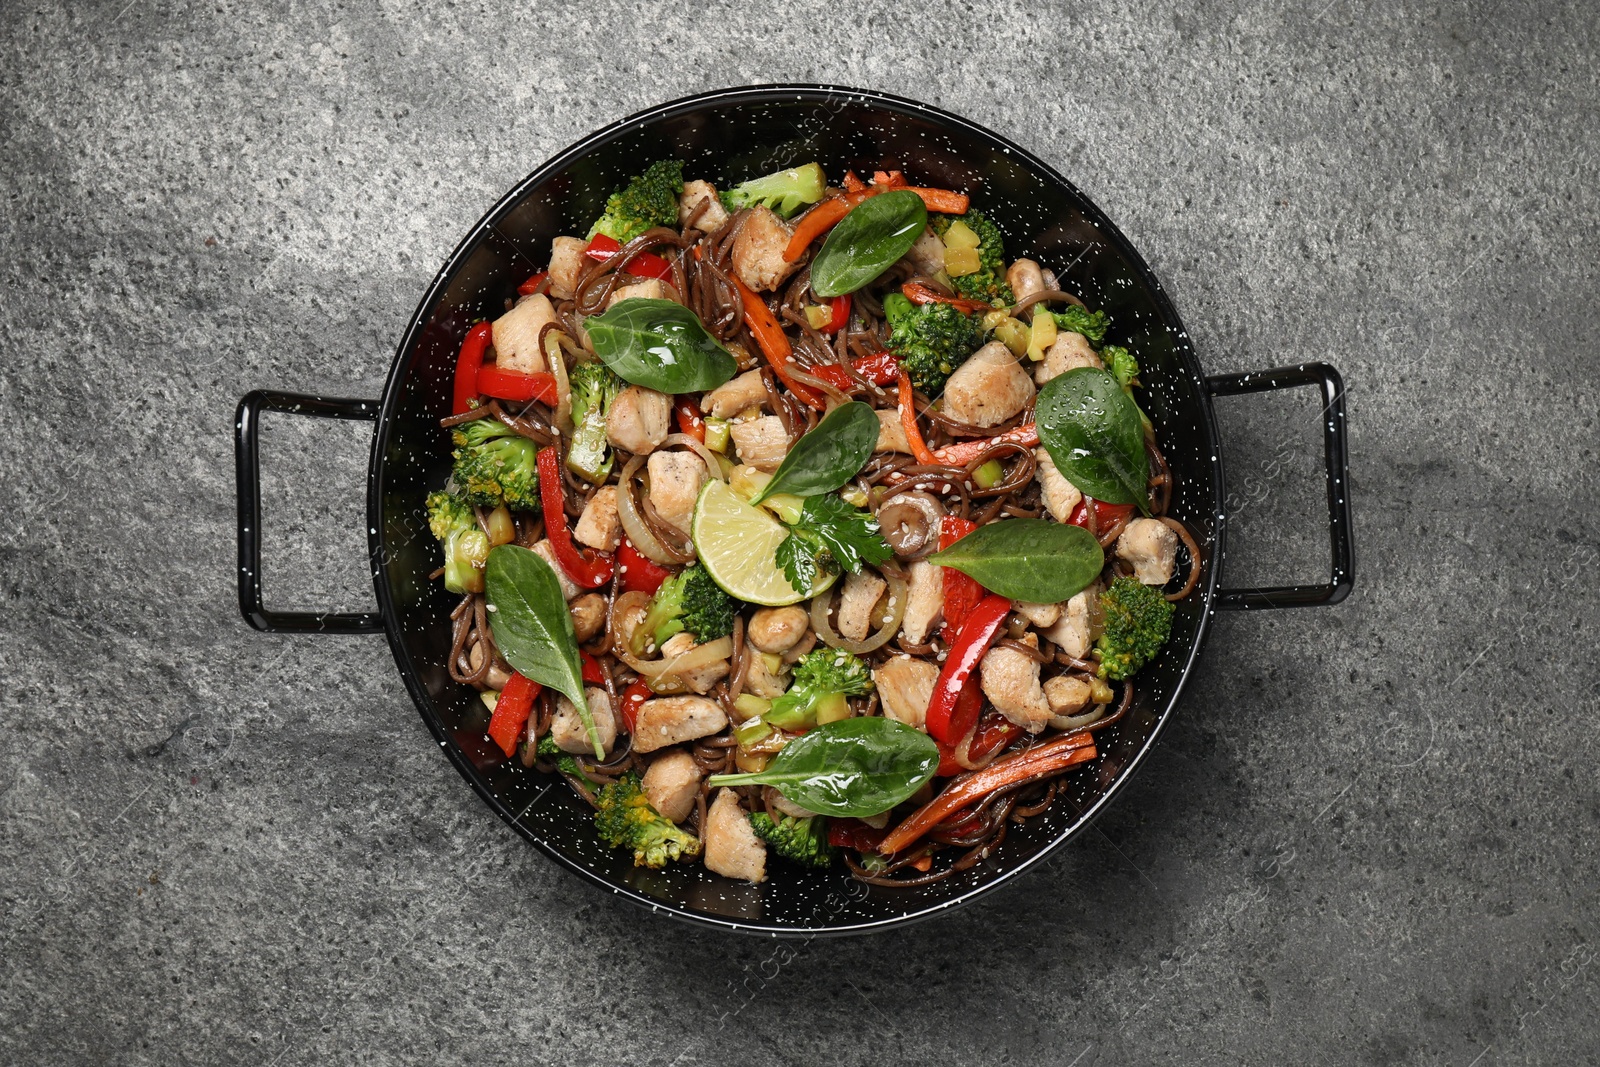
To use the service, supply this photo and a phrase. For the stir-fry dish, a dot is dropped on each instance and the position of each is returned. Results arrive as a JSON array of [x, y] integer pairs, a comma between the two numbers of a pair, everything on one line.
[[793, 523]]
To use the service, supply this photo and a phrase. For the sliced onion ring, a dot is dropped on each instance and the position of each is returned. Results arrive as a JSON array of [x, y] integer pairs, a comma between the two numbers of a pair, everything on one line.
[[633, 523], [876, 640]]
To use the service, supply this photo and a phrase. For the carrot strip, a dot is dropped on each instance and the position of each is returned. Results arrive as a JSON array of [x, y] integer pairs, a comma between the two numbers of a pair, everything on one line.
[[816, 222], [774, 343], [908, 422], [944, 201], [890, 179], [853, 184], [918, 293]]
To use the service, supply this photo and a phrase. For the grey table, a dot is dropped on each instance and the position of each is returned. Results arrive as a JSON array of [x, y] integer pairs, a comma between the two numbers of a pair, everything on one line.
[[1368, 836]]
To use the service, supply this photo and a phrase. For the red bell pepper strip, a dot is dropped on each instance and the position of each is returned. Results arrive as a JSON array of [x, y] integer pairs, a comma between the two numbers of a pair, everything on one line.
[[853, 833], [994, 733], [1105, 515], [978, 632], [640, 573], [511, 712], [514, 385], [961, 591], [645, 264], [774, 343], [908, 420], [531, 286], [593, 673], [838, 314], [879, 369], [632, 697], [587, 571], [918, 293], [961, 453], [468, 363], [691, 421], [963, 721]]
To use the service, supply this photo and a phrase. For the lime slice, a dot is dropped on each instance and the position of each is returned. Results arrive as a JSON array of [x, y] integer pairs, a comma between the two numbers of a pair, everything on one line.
[[737, 544]]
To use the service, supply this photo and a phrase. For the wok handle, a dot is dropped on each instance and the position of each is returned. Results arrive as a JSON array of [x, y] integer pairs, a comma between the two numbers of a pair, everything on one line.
[[247, 461], [1336, 459]]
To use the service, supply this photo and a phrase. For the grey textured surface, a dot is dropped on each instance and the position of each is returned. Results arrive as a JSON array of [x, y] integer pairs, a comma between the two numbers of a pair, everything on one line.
[[1369, 835]]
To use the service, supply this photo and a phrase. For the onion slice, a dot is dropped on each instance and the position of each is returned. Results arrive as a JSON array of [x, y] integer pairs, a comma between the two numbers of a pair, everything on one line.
[[633, 523], [627, 611], [875, 640]]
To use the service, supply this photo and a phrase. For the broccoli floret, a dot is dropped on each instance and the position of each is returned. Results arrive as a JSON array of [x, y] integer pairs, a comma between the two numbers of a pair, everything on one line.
[[496, 465], [625, 819], [466, 549], [988, 282], [594, 388], [932, 340], [823, 681], [804, 841], [1138, 622], [649, 200], [1120, 362], [785, 191], [689, 600], [547, 746], [1092, 324]]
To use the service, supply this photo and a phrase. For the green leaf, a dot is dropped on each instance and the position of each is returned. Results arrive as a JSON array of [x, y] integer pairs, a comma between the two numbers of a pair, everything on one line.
[[867, 241], [660, 345], [852, 768], [533, 628], [1036, 560], [828, 456], [1092, 430], [797, 556]]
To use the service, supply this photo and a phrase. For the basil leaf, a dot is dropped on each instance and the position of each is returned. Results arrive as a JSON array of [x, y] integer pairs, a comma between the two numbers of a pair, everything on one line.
[[828, 456], [866, 242], [854, 768], [1092, 430], [1036, 560], [533, 627], [660, 345]]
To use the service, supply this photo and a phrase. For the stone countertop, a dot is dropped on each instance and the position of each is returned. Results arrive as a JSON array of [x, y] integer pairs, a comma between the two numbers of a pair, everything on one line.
[[1367, 837]]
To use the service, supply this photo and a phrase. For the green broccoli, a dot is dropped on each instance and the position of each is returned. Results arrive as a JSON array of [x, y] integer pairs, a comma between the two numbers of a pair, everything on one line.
[[1120, 362], [466, 547], [649, 200], [805, 841], [785, 191], [1092, 324], [594, 389], [1138, 620], [824, 679], [625, 819], [547, 746], [689, 600], [496, 465], [988, 282], [932, 340]]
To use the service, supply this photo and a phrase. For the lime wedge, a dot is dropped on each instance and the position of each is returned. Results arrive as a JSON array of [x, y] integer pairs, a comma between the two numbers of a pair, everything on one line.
[[737, 543]]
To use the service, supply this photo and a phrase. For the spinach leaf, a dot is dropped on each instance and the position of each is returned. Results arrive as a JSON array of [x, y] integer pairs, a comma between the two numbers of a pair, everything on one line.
[[854, 768], [1036, 560], [1092, 430], [533, 627], [660, 345], [866, 242], [828, 456]]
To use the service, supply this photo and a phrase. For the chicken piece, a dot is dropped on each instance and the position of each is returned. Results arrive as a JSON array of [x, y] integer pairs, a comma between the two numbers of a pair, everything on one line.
[[701, 679], [857, 600], [567, 729], [567, 264], [675, 481], [588, 616], [777, 629], [700, 206], [891, 432], [924, 601], [732, 847], [1011, 682], [1040, 615], [497, 677], [927, 255], [674, 720], [598, 526], [735, 396], [905, 684], [639, 420], [569, 588], [646, 289], [1152, 547], [672, 784], [1025, 278], [762, 443], [758, 250], [516, 334], [1071, 632], [1071, 351], [758, 679], [988, 388], [1068, 696], [1061, 497]]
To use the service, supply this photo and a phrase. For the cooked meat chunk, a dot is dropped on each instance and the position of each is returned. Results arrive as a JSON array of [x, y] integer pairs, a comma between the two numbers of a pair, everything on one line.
[[588, 616], [644, 289], [639, 420], [988, 388], [1068, 696], [735, 396], [1152, 547], [567, 263], [1040, 615], [924, 601], [762, 443], [700, 679], [860, 595], [1011, 682], [674, 720], [905, 686], [598, 526], [569, 588], [757, 678], [516, 334], [675, 481], [700, 206], [567, 729], [891, 432], [497, 677], [1025, 278], [758, 249], [1071, 632], [1061, 497], [777, 629], [732, 847], [1071, 351], [672, 783]]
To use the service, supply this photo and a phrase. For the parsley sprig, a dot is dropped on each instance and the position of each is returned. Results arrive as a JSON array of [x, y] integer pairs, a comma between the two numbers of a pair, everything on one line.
[[829, 533]]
